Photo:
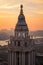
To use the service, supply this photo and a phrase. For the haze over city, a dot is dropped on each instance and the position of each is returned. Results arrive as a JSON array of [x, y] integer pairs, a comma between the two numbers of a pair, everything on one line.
[[33, 10]]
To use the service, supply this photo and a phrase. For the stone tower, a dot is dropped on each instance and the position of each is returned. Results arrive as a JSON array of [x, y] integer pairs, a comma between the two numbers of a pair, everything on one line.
[[21, 48]]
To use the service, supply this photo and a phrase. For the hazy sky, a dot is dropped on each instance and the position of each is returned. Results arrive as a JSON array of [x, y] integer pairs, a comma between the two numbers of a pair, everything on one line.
[[33, 11]]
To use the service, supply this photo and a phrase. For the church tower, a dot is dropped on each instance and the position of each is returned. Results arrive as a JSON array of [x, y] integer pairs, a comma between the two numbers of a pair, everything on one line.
[[21, 48], [21, 29]]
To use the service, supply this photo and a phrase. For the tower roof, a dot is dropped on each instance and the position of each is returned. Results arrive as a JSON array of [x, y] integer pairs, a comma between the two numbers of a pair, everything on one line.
[[21, 24]]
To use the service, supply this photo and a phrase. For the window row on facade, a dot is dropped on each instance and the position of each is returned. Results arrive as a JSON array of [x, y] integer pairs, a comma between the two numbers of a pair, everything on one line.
[[19, 43]]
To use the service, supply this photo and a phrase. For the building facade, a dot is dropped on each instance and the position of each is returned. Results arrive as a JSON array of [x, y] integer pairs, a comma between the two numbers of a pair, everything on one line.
[[21, 50]]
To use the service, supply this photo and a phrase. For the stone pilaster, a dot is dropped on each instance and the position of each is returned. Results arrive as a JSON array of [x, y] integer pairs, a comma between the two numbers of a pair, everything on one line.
[[12, 58], [29, 58], [15, 58], [23, 58], [20, 59]]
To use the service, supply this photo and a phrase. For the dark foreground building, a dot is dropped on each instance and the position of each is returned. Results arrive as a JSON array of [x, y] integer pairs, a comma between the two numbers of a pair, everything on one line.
[[22, 49]]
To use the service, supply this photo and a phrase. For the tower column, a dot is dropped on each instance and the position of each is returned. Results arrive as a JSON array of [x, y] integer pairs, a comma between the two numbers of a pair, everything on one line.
[[15, 58], [23, 58], [10, 58], [29, 58], [20, 59]]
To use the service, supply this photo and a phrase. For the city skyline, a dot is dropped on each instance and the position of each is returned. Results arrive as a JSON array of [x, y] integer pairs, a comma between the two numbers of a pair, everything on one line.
[[33, 11]]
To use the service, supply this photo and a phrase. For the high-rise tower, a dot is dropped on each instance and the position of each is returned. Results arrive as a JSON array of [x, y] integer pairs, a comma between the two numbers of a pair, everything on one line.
[[21, 47]]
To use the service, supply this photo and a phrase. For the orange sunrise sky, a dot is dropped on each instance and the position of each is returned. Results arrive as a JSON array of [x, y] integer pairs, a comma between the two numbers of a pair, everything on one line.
[[10, 9]]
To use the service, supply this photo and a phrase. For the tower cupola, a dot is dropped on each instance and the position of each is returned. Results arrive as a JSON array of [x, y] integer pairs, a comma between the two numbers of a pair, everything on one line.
[[21, 26]]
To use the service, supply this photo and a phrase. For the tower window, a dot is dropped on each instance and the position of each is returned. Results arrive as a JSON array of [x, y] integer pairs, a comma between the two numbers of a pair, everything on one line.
[[18, 43], [25, 44], [26, 58], [17, 58], [15, 43]]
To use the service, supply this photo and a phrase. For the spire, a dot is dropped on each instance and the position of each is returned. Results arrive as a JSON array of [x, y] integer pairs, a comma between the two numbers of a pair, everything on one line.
[[21, 11], [21, 21]]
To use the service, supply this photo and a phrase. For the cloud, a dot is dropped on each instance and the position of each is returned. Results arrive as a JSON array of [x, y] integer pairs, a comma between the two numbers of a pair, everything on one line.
[[32, 7], [8, 7]]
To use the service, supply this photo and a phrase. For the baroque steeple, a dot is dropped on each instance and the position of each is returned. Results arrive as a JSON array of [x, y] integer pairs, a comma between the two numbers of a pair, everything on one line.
[[21, 21], [21, 25]]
